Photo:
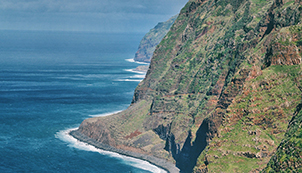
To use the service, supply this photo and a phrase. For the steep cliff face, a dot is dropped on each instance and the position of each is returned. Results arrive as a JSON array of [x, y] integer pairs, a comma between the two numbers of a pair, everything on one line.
[[221, 88], [152, 39]]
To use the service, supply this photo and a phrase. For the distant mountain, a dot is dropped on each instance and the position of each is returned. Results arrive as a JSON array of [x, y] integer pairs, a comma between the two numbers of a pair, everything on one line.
[[152, 39]]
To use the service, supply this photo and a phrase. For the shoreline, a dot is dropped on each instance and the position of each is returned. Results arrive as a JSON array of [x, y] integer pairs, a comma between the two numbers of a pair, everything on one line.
[[138, 62], [161, 163]]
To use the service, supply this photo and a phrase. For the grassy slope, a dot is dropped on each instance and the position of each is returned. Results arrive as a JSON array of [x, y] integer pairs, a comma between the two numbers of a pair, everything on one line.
[[288, 158], [256, 121]]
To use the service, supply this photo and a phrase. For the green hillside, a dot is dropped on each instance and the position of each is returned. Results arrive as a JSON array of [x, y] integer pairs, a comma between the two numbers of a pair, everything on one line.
[[222, 93]]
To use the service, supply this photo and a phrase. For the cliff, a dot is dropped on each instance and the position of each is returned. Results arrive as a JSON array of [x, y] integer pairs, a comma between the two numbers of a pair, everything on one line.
[[288, 158], [152, 39], [222, 92]]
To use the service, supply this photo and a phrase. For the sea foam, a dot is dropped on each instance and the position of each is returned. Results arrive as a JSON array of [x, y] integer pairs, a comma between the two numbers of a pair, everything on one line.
[[132, 60], [138, 76], [135, 78], [129, 80], [74, 143], [106, 114], [135, 71]]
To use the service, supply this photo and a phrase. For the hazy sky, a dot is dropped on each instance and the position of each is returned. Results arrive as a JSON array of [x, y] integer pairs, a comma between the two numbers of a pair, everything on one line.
[[86, 15]]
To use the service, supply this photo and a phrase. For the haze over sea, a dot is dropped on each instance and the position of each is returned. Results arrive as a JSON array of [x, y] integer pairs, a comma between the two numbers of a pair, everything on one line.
[[49, 83]]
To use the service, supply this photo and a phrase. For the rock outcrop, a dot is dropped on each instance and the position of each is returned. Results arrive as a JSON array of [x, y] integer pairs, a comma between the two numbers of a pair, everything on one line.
[[220, 91]]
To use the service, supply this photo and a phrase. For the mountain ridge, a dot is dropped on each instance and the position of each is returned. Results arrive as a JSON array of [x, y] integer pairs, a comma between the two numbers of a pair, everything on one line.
[[152, 39], [226, 69]]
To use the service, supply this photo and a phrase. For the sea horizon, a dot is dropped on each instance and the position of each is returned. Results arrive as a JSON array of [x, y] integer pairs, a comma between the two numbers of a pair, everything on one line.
[[50, 83]]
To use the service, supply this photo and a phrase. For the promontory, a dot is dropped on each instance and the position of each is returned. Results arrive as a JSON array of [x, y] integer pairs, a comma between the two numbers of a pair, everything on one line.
[[222, 92]]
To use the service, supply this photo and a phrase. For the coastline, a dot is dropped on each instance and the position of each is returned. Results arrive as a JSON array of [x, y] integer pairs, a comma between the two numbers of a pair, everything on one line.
[[161, 163], [138, 62]]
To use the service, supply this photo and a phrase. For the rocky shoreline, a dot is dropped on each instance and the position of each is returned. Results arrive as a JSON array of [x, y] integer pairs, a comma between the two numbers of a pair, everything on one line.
[[142, 68], [161, 163]]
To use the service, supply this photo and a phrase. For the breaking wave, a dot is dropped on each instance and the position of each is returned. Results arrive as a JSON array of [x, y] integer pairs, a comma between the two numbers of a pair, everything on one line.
[[74, 143], [105, 114], [132, 60]]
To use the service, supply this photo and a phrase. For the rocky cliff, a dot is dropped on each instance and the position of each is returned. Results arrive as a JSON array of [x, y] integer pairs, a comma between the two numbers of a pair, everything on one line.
[[152, 39], [222, 93]]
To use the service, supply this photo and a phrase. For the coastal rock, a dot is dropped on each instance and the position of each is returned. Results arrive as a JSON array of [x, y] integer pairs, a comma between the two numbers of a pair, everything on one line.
[[141, 68]]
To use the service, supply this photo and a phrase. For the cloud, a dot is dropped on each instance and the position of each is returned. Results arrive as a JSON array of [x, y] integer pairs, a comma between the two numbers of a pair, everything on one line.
[[94, 6], [86, 15]]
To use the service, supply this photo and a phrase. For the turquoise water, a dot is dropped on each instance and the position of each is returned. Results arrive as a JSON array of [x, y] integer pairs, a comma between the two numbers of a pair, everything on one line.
[[49, 83]]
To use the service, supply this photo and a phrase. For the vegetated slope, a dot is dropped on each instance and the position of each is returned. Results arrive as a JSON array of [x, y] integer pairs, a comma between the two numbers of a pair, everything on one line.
[[152, 39], [220, 91], [288, 155]]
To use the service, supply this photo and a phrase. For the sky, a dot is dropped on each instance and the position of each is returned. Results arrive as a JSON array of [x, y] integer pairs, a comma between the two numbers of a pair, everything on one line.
[[86, 15]]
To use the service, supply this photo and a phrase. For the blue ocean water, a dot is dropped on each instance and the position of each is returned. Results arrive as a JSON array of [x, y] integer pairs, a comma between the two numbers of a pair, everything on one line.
[[49, 83]]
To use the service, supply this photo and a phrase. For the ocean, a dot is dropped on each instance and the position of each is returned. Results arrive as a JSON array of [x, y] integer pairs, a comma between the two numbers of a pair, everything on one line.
[[49, 83]]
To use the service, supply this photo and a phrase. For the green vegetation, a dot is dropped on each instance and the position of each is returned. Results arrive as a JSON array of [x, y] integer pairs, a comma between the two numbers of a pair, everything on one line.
[[288, 156], [219, 73], [255, 124], [296, 29], [286, 42], [287, 4]]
